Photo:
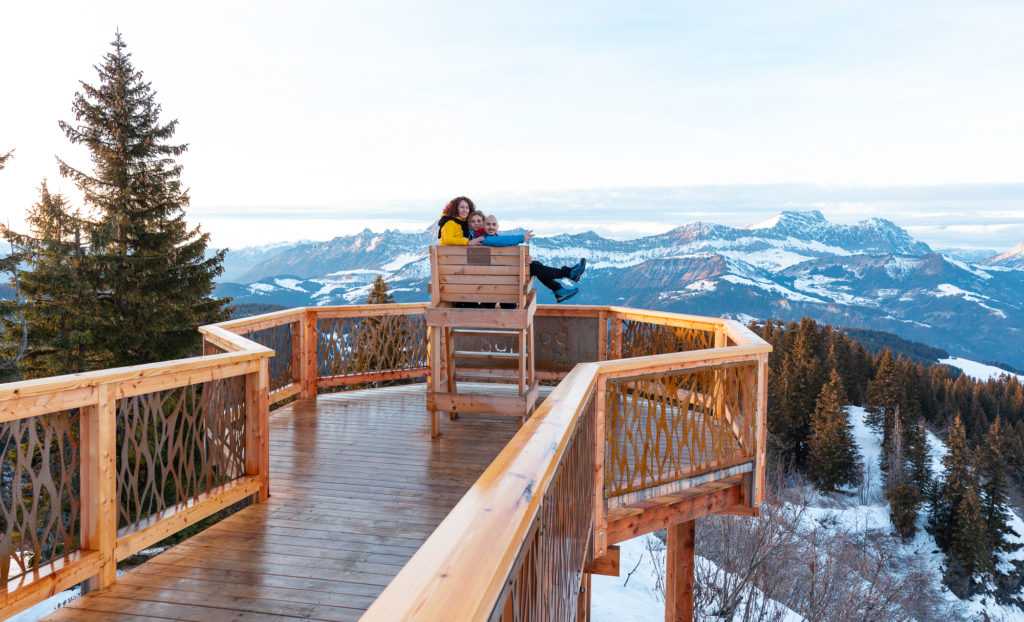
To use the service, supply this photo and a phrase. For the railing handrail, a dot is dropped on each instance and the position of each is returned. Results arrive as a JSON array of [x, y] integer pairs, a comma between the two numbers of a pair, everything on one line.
[[133, 373], [681, 360], [459, 573]]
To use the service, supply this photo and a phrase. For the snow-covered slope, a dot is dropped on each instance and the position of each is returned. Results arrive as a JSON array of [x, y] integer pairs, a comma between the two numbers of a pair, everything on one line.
[[639, 599]]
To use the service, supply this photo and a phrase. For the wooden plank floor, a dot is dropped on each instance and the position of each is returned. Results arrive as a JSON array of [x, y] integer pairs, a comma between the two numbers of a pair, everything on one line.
[[357, 485]]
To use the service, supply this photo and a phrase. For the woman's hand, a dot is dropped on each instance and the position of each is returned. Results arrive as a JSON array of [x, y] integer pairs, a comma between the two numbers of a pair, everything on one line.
[[527, 236], [475, 242]]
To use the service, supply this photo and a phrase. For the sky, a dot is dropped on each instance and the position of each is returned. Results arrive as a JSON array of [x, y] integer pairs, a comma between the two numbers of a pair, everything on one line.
[[307, 120]]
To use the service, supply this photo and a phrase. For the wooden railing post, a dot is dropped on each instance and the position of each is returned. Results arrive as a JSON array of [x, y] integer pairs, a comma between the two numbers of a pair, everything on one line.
[[308, 339], [602, 336], [615, 352], [257, 427], [296, 352], [98, 485], [761, 433]]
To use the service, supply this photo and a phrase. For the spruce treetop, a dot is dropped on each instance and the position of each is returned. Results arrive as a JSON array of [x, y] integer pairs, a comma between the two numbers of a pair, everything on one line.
[[135, 179]]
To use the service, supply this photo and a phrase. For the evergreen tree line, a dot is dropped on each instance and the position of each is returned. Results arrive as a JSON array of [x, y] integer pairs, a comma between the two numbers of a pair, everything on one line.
[[816, 371], [121, 279]]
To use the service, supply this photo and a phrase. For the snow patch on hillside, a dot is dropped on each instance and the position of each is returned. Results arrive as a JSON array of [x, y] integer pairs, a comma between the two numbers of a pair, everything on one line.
[[978, 371], [292, 284], [261, 288], [767, 285], [400, 262]]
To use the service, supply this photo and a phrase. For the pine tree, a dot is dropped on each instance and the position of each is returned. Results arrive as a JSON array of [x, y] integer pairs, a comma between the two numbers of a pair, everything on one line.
[[379, 293], [802, 379], [950, 493], [995, 500], [376, 337], [916, 442], [904, 498], [883, 392], [969, 550], [833, 460], [15, 339], [57, 295], [155, 282]]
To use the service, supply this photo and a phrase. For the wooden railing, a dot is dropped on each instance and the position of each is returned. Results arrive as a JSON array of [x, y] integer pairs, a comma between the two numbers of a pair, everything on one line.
[[98, 466], [94, 464], [689, 406]]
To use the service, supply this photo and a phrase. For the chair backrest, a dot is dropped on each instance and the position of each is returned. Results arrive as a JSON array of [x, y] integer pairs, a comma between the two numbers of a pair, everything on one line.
[[479, 274]]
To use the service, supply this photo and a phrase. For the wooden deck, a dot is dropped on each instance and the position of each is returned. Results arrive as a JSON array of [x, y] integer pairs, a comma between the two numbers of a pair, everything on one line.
[[357, 485]]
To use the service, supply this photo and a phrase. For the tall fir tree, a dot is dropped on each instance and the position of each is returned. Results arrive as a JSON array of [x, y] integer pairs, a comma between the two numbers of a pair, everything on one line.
[[903, 496], [969, 551], [802, 379], [833, 460], [155, 281], [994, 497], [56, 292], [949, 494], [883, 391]]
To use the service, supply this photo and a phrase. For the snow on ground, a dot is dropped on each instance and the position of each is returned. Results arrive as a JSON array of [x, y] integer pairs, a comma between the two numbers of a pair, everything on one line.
[[767, 285], [633, 595], [978, 371], [257, 288], [401, 261], [292, 284], [46, 607], [635, 599]]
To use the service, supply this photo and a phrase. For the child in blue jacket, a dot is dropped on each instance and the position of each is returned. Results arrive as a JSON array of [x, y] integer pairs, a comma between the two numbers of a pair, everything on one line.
[[545, 274]]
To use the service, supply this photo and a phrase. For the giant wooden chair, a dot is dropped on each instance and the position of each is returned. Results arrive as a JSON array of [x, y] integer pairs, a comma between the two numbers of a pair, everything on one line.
[[485, 344]]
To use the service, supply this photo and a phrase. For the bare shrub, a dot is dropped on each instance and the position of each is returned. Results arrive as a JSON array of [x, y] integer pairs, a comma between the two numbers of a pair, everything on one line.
[[810, 562]]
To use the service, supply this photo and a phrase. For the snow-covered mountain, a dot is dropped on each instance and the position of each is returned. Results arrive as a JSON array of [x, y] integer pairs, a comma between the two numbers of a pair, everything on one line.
[[872, 274], [1013, 258]]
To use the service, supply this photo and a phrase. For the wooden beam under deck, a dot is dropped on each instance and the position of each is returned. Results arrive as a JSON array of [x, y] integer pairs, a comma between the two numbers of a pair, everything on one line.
[[356, 486]]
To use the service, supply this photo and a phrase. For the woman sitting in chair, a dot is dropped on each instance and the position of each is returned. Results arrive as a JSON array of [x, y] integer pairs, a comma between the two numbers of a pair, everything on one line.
[[453, 229]]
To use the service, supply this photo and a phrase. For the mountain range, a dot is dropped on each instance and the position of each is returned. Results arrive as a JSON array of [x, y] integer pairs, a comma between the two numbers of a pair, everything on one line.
[[872, 274]]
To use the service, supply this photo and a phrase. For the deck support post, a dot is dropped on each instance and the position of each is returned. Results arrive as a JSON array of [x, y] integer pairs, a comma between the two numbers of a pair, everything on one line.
[[583, 608], [98, 487], [679, 572]]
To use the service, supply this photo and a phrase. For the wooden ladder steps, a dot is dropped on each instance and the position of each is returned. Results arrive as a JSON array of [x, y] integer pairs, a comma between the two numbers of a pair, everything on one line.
[[509, 375], [494, 355], [486, 331]]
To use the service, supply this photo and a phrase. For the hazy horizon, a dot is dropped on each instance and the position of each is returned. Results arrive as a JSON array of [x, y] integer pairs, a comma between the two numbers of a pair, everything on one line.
[[969, 216]]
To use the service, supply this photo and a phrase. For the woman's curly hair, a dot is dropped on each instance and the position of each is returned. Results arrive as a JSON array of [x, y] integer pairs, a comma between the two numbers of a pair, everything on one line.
[[452, 209]]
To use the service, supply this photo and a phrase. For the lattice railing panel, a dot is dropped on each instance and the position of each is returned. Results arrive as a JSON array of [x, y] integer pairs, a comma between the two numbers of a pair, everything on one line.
[[545, 584], [670, 426], [646, 339], [174, 445], [359, 345], [39, 491], [278, 339]]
